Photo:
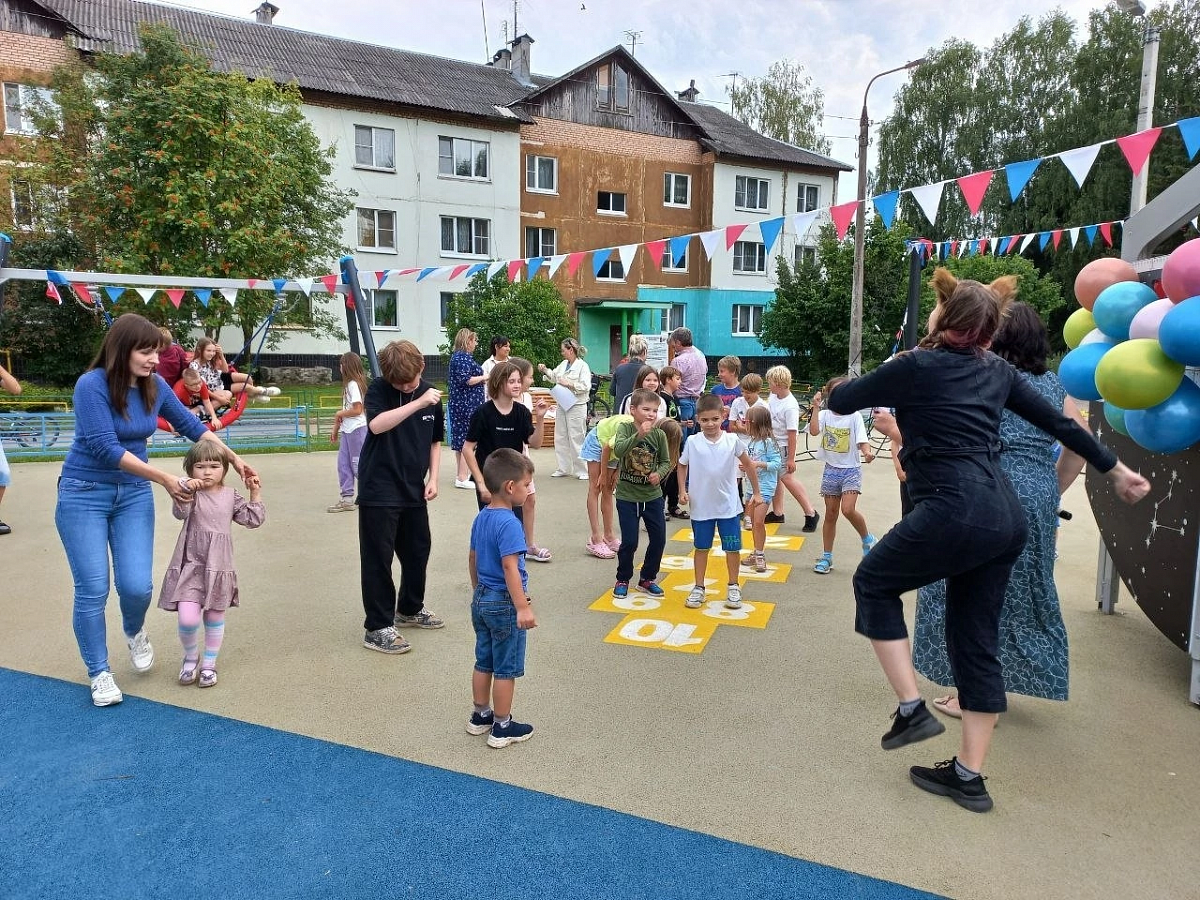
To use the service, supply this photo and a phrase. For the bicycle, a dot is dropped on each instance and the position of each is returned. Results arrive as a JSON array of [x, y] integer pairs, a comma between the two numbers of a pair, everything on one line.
[[597, 407], [26, 430]]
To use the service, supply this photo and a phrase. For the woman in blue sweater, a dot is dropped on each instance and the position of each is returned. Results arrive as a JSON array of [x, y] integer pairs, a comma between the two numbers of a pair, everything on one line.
[[104, 495], [966, 526]]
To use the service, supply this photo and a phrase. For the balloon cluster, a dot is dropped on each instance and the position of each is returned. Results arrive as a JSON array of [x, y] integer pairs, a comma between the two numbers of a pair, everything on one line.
[[1130, 349]]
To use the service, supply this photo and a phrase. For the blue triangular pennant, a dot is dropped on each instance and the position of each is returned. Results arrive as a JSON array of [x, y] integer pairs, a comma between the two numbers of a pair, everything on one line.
[[474, 270], [203, 295], [425, 273], [1043, 240], [114, 293], [1018, 175], [599, 258], [279, 283], [885, 205], [56, 277], [679, 247], [770, 232], [1190, 129], [973, 249], [1090, 233], [534, 263]]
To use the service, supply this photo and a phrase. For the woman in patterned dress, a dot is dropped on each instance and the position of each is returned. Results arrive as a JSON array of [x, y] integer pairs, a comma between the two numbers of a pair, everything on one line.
[[466, 396], [1033, 639]]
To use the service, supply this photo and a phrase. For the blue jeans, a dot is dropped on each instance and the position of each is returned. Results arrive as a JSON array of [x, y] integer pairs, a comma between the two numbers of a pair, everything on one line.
[[92, 518], [653, 514], [687, 411], [499, 643]]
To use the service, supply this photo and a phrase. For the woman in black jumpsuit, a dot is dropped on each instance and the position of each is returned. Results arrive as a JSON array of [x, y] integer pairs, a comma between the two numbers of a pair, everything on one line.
[[967, 525]]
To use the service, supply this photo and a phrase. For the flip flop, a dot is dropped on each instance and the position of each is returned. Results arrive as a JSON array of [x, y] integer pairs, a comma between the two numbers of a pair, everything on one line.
[[941, 704], [538, 554]]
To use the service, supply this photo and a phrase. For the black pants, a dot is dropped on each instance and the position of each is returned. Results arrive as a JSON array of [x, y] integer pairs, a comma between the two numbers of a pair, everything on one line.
[[628, 514], [969, 530], [671, 490], [384, 532]]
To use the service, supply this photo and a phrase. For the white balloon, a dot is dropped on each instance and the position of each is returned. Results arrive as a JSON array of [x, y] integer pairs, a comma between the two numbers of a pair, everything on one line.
[[1096, 336]]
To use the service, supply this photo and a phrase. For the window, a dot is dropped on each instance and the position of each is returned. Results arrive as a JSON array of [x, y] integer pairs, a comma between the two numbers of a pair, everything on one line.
[[610, 202], [750, 193], [671, 264], [18, 98], [808, 196], [376, 229], [35, 208], [374, 148], [671, 318], [620, 88], [471, 237], [462, 158], [677, 189], [805, 255], [445, 298], [749, 257], [540, 242], [612, 270], [383, 308], [612, 87], [747, 320], [604, 87], [541, 174]]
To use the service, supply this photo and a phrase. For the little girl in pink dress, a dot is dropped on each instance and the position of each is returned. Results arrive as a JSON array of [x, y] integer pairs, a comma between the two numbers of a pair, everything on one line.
[[201, 582]]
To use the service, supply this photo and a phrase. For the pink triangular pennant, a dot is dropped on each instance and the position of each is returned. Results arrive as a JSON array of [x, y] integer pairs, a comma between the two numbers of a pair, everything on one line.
[[84, 294], [842, 215], [1137, 147], [574, 260], [1056, 237], [732, 233], [175, 295], [330, 282], [655, 249], [52, 292], [1106, 232], [983, 245], [252, 282], [456, 271], [973, 188], [514, 269]]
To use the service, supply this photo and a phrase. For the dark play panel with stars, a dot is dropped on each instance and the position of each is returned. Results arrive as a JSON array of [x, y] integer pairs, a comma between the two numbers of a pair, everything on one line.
[[1154, 542]]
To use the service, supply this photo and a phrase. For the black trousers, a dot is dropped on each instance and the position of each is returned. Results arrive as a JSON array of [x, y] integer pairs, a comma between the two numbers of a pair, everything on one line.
[[384, 532], [968, 529]]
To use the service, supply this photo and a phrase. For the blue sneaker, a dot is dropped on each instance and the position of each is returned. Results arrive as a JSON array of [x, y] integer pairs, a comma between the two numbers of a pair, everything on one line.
[[621, 589], [868, 543], [650, 587], [512, 733], [481, 723]]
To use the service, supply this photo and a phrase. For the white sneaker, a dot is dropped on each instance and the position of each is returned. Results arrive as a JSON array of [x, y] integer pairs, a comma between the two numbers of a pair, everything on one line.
[[141, 654], [346, 504], [582, 477], [734, 598], [695, 599], [271, 391], [260, 398], [105, 691], [466, 484]]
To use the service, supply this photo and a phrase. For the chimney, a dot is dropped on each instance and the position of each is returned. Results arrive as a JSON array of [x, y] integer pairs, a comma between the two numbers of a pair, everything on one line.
[[265, 14], [520, 58], [690, 94], [502, 59]]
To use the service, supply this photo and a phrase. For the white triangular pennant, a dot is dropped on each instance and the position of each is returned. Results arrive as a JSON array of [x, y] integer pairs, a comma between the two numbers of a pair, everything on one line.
[[1027, 240], [146, 293], [929, 198], [711, 240], [495, 267], [305, 284], [555, 263], [230, 294], [1074, 233], [627, 254], [804, 221], [1079, 162], [442, 272]]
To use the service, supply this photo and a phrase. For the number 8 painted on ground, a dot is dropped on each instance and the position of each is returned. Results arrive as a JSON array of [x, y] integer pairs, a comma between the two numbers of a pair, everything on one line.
[[717, 609]]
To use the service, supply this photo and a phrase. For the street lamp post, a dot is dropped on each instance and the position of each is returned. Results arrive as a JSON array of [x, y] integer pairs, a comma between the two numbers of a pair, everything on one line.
[[856, 299]]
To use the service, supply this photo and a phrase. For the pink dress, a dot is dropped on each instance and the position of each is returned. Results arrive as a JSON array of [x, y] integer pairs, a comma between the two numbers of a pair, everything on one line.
[[201, 568]]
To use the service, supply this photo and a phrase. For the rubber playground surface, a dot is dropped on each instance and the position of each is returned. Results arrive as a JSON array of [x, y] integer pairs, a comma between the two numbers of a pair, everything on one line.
[[677, 753]]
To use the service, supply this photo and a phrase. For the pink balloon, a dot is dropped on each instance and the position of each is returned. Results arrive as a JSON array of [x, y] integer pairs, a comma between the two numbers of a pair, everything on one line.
[[1149, 317], [1181, 272]]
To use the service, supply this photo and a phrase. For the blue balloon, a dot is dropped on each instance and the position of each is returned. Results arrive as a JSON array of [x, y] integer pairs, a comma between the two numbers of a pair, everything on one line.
[[1118, 304], [1170, 427], [1115, 416], [1077, 371], [1179, 332]]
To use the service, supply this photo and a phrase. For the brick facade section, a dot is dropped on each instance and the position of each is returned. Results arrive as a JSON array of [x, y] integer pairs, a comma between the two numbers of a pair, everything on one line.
[[27, 59], [610, 140]]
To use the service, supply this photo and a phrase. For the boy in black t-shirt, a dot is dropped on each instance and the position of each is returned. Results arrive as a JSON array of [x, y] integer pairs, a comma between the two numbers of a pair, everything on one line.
[[405, 428], [501, 422]]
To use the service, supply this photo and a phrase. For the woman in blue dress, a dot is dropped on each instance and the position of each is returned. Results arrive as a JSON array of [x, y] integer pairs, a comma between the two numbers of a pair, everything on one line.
[[1033, 639], [466, 396]]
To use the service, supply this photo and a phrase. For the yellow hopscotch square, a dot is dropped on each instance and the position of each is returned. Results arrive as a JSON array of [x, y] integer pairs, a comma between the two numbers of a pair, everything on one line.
[[685, 534], [662, 633]]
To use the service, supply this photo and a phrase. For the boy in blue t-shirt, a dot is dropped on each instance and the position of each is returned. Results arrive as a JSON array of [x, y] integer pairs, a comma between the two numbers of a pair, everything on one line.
[[500, 611], [729, 370]]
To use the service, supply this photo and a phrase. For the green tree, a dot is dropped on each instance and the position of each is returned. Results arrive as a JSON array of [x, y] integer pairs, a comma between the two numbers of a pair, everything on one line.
[[174, 169], [783, 104], [531, 314]]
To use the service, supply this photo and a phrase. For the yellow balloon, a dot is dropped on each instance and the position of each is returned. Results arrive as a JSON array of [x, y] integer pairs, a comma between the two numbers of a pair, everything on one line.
[[1137, 374], [1077, 326]]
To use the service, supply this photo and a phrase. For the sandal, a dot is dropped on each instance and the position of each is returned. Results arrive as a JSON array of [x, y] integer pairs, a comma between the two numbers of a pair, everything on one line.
[[942, 705], [538, 554], [208, 677], [600, 550], [188, 671], [824, 564], [679, 514]]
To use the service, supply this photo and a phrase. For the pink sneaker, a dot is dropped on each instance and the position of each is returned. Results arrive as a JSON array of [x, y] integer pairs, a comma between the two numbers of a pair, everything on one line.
[[600, 551]]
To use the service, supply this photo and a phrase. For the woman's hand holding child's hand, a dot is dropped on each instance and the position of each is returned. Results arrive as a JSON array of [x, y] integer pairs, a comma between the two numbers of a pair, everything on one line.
[[683, 496]]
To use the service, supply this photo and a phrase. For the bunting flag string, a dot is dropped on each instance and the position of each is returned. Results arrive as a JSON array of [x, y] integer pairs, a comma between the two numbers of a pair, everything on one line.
[[1009, 243], [885, 206]]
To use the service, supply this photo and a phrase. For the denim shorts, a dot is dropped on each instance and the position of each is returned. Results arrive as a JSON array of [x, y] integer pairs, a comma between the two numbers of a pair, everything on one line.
[[499, 643], [590, 451], [837, 481], [5, 477], [730, 530]]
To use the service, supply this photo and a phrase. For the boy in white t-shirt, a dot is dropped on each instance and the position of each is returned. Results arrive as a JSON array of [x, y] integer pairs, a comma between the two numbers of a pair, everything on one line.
[[785, 423], [712, 458], [751, 385], [842, 439]]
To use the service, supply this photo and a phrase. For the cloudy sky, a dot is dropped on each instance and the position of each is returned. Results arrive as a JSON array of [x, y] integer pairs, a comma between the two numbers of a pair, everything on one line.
[[842, 43]]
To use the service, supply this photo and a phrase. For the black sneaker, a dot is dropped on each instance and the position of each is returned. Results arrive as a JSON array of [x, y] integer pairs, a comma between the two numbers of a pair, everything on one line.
[[810, 522], [772, 519], [481, 723], [512, 733], [944, 781], [918, 726], [4, 529]]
